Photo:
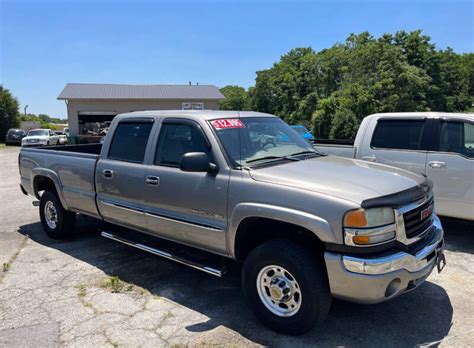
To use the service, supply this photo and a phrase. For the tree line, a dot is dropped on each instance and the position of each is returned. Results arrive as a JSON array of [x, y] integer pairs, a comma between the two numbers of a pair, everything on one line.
[[332, 90]]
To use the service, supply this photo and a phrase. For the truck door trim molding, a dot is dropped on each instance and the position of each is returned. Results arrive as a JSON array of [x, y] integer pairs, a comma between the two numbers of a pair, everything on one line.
[[121, 206], [161, 216], [183, 221]]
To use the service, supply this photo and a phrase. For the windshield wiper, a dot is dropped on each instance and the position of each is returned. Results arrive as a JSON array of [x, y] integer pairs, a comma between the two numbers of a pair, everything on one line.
[[305, 153], [273, 158]]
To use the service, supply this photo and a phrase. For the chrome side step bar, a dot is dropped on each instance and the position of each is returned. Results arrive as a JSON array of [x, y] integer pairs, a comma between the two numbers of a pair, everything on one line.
[[162, 253]]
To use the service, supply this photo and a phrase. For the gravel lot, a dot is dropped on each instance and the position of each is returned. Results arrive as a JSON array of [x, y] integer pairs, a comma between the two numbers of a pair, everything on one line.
[[61, 293]]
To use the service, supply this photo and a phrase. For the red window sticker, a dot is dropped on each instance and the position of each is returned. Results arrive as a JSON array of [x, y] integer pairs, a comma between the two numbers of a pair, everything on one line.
[[228, 123]]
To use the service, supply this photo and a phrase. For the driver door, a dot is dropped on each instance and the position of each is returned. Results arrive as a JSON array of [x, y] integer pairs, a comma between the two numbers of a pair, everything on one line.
[[189, 207]]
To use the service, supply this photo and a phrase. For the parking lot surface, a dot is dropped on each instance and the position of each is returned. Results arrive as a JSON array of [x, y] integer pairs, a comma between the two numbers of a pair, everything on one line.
[[93, 292]]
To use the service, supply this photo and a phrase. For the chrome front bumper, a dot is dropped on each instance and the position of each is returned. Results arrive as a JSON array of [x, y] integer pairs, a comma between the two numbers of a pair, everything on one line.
[[377, 279]]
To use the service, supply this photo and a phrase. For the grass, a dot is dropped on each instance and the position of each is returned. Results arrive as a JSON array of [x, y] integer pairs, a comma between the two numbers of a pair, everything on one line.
[[2, 145], [115, 284], [6, 266]]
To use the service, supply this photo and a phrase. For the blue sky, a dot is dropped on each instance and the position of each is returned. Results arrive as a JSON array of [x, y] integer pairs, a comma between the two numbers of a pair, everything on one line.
[[45, 44]]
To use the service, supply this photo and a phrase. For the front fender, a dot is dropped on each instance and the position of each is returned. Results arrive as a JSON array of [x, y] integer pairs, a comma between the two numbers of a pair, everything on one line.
[[50, 174], [319, 226]]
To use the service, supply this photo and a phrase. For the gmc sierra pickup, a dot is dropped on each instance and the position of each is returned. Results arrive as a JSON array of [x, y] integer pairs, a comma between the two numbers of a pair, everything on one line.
[[438, 145], [245, 186]]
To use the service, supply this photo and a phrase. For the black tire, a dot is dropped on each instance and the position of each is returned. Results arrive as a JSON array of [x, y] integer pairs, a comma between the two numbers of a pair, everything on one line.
[[309, 272], [66, 220]]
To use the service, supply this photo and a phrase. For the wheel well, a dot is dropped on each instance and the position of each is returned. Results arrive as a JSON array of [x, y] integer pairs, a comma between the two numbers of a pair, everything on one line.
[[255, 231], [43, 183]]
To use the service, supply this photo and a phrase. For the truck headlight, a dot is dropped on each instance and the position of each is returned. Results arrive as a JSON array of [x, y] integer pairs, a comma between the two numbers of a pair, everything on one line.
[[364, 227]]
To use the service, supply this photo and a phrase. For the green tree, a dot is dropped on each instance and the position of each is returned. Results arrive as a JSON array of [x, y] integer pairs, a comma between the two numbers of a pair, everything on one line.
[[337, 87], [9, 114], [237, 98]]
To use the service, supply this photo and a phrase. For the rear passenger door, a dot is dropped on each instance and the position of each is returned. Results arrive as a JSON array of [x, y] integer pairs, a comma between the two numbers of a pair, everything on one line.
[[451, 168], [398, 143], [120, 175], [189, 207]]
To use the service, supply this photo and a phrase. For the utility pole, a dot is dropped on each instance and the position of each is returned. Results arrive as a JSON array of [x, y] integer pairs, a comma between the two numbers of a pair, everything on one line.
[[26, 107]]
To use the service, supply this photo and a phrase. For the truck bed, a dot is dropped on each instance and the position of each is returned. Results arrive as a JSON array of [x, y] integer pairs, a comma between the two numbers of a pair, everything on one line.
[[70, 167], [336, 147]]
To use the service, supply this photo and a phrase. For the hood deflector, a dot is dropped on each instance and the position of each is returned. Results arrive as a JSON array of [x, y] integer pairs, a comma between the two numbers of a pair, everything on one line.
[[399, 199]]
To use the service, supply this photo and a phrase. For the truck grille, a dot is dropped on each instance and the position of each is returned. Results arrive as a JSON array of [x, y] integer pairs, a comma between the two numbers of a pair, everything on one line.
[[419, 219]]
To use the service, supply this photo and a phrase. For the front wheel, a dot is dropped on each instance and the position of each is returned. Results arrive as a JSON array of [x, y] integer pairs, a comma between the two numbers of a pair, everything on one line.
[[57, 221], [286, 286]]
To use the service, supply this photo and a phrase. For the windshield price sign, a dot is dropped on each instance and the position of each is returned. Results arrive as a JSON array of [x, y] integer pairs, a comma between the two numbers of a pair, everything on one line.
[[227, 123]]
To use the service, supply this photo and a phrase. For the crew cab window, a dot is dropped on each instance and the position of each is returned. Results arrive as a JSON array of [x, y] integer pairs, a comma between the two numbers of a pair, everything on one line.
[[129, 141], [177, 139], [457, 137], [398, 134]]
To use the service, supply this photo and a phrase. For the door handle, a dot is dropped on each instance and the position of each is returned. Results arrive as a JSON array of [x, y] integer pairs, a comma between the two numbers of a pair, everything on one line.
[[437, 164], [107, 173], [369, 158], [152, 180]]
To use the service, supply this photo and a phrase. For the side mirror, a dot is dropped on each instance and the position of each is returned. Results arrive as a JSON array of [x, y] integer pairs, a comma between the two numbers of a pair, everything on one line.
[[197, 162]]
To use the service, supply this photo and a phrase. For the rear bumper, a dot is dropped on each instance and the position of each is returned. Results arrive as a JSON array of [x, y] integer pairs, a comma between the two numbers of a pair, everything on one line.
[[378, 279]]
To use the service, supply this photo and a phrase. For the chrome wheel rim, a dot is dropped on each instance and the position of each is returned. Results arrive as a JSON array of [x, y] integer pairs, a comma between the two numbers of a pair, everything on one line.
[[50, 215], [279, 291]]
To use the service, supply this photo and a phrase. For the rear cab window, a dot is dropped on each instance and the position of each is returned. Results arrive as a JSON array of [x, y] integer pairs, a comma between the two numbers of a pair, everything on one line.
[[130, 140], [398, 134]]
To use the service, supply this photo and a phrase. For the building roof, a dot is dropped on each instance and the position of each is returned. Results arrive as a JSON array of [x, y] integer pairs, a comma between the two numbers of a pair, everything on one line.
[[143, 92]]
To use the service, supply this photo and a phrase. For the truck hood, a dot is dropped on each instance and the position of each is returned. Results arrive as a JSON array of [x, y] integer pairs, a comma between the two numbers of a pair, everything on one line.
[[348, 179]]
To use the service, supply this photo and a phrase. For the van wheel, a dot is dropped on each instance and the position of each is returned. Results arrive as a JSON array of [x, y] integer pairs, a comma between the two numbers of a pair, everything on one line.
[[57, 222], [286, 287]]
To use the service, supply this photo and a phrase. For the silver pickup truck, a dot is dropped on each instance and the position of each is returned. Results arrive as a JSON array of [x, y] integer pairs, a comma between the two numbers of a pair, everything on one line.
[[244, 186], [436, 144]]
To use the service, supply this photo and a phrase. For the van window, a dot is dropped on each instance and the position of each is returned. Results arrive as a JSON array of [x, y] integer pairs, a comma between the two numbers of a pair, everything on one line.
[[175, 140], [457, 137], [129, 141], [398, 134]]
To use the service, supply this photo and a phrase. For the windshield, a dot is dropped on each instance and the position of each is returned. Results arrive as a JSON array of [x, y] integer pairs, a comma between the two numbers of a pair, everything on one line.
[[17, 131], [38, 132], [256, 140]]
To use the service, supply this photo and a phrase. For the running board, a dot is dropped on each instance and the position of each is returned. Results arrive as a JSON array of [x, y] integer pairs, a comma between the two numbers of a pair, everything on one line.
[[163, 253]]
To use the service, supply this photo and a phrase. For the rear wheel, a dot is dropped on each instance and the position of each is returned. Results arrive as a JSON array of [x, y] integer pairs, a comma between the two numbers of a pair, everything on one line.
[[286, 286], [57, 222]]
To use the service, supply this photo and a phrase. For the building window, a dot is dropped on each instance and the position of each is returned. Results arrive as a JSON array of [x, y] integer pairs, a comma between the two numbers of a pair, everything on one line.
[[192, 106]]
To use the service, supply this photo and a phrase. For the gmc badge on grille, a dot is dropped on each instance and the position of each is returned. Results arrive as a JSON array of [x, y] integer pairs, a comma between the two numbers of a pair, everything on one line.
[[425, 213]]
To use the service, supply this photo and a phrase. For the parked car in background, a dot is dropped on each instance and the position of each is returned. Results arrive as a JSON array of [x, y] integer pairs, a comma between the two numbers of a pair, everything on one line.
[[304, 132], [62, 140], [66, 131], [14, 136], [40, 137], [438, 145], [307, 227]]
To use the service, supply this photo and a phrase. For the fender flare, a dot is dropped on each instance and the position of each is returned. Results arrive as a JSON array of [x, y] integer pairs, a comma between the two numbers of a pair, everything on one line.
[[54, 177], [317, 225]]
